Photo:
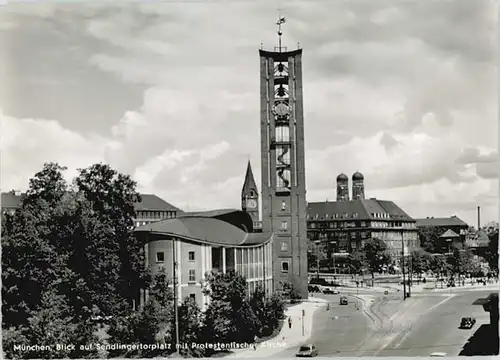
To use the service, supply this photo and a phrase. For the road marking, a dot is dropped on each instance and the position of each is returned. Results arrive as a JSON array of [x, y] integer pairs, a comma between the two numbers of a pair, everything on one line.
[[428, 311]]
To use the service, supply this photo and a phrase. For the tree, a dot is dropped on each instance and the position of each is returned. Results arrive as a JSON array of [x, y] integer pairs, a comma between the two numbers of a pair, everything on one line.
[[72, 245], [420, 262], [438, 265], [290, 291], [460, 261], [190, 327], [491, 255], [429, 238], [32, 255], [229, 316], [112, 197], [317, 255], [268, 310], [357, 261], [375, 256], [153, 324]]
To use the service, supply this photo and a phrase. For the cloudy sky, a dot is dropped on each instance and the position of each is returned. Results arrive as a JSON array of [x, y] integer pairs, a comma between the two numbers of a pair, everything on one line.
[[403, 91]]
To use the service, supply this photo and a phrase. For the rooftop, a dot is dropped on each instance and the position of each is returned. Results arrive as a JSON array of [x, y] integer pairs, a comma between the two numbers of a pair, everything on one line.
[[366, 209], [149, 202], [432, 221], [218, 227]]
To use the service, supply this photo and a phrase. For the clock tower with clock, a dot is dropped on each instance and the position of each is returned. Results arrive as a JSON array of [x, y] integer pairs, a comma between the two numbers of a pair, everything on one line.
[[250, 197], [283, 163]]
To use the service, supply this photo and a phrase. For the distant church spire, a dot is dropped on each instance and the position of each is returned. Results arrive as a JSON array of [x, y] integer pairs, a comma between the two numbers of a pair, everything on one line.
[[250, 197]]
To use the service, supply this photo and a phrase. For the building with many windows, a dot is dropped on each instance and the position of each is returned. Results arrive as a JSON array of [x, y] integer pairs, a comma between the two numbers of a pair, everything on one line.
[[346, 225], [151, 208], [451, 225], [194, 244]]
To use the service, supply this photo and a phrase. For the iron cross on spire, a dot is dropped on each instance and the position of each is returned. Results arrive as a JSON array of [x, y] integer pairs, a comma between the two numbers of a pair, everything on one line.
[[281, 20]]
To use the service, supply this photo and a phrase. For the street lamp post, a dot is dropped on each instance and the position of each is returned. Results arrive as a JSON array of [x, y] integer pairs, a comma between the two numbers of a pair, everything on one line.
[[403, 264]]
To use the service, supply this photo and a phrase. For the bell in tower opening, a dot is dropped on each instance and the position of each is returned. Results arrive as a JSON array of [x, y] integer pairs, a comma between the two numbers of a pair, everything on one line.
[[358, 186], [342, 187], [283, 163]]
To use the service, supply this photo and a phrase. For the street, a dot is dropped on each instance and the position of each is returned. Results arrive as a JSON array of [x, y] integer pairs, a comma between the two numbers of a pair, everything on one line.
[[437, 330], [339, 336], [419, 326]]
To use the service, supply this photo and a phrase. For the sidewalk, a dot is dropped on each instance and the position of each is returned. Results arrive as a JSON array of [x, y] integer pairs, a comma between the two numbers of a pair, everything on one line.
[[287, 337]]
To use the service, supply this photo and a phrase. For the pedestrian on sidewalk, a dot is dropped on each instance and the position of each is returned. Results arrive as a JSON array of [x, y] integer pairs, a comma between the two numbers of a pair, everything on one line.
[[289, 322], [255, 342]]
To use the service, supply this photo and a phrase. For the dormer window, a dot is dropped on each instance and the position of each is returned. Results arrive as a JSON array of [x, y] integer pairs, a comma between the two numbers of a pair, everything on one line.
[[326, 216], [316, 217]]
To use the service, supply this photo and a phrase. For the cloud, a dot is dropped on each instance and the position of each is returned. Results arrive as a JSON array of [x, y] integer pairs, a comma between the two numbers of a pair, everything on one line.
[[26, 144], [475, 155], [388, 142], [402, 91]]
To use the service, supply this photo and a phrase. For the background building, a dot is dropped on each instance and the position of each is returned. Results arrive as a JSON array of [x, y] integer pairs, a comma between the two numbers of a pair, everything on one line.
[[453, 223], [346, 225], [11, 200], [151, 208], [283, 163], [342, 187], [358, 186], [198, 243]]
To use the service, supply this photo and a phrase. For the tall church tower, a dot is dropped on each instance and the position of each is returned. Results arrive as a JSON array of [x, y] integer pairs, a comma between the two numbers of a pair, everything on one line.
[[283, 164], [342, 187], [358, 186], [250, 197]]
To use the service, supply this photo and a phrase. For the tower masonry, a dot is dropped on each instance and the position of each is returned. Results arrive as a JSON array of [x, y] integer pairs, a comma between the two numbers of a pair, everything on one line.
[[358, 186], [250, 197], [283, 163], [342, 187]]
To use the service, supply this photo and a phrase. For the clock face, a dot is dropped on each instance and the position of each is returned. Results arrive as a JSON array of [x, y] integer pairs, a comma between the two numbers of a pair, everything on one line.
[[251, 203], [281, 109]]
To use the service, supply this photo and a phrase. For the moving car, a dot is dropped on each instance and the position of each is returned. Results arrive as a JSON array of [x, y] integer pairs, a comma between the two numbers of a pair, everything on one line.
[[307, 350], [438, 354], [343, 300], [330, 291], [467, 322]]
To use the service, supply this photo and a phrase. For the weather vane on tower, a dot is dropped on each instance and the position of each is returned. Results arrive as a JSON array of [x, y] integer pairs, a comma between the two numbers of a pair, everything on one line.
[[281, 20]]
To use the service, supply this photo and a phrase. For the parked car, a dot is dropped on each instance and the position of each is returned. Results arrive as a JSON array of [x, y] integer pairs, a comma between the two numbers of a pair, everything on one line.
[[307, 350], [467, 322], [343, 300], [313, 288]]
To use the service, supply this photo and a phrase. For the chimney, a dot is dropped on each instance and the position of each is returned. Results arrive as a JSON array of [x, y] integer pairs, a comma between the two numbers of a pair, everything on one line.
[[479, 217]]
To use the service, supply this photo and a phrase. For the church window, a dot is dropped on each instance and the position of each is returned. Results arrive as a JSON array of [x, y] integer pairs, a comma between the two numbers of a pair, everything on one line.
[[160, 256], [284, 266], [284, 246], [251, 193]]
